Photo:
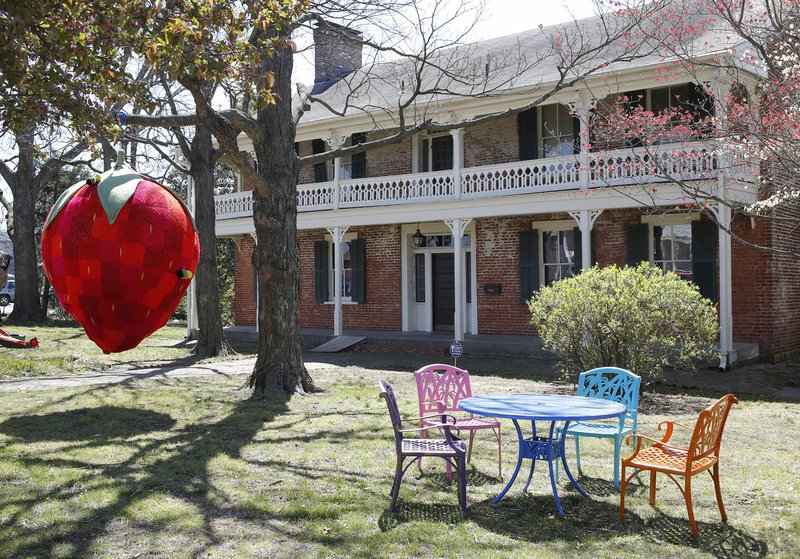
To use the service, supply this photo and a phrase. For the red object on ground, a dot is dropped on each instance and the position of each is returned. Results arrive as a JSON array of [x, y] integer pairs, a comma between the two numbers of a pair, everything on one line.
[[117, 257]]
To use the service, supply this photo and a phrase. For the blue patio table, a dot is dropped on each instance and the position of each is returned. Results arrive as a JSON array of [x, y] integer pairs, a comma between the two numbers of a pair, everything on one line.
[[542, 407]]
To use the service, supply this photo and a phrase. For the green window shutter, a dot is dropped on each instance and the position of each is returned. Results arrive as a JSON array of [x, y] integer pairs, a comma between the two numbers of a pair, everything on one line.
[[704, 255], [358, 166], [660, 100], [528, 264], [321, 271], [358, 257], [577, 258], [320, 169], [638, 243], [526, 129]]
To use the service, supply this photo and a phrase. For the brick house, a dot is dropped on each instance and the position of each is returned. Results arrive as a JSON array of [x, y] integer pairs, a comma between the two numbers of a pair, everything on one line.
[[455, 231]]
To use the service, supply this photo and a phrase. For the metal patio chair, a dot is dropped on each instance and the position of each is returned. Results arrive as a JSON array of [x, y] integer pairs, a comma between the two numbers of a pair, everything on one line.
[[440, 388], [450, 448], [617, 385], [702, 454]]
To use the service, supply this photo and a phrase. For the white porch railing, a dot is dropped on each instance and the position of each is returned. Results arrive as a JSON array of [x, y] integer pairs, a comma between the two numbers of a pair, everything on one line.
[[609, 168]]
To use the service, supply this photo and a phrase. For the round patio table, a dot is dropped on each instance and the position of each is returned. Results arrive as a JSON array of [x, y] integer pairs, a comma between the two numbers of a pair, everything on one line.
[[542, 407]]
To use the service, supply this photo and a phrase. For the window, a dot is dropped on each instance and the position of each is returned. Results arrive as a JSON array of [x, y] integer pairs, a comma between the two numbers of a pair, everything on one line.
[[419, 277], [559, 255], [558, 131], [547, 131], [672, 248], [347, 271], [320, 169], [436, 153], [354, 166], [353, 270]]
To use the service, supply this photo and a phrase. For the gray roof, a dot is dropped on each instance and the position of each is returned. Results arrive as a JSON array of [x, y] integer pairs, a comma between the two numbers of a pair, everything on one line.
[[515, 62]]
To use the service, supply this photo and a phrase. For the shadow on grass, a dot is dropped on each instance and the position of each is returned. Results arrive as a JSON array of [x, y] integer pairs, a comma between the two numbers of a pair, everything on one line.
[[87, 424], [183, 474]]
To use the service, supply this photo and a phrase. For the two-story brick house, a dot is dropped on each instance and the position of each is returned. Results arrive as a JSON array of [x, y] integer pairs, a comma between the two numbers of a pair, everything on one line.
[[455, 231]]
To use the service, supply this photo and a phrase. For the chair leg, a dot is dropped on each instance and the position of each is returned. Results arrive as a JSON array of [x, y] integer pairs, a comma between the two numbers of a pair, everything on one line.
[[462, 479], [652, 488], [398, 477], [617, 444], [687, 495], [499, 436], [578, 454], [715, 475], [469, 448], [622, 488]]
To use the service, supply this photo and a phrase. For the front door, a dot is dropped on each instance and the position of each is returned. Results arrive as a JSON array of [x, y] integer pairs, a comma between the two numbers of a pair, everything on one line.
[[444, 294]]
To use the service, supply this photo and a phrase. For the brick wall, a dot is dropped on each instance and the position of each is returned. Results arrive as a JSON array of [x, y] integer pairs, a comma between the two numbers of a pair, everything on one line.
[[244, 300], [492, 143], [382, 309]]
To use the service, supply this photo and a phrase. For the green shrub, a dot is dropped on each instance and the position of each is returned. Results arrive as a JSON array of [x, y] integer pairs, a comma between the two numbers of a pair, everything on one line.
[[637, 318]]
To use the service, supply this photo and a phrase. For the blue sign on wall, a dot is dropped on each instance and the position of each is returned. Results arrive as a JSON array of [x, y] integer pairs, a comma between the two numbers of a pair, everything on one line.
[[456, 349]]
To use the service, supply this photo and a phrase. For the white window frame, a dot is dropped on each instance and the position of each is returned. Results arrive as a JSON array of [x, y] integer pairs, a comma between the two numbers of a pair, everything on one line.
[[543, 131], [556, 226], [662, 221], [420, 157], [332, 269]]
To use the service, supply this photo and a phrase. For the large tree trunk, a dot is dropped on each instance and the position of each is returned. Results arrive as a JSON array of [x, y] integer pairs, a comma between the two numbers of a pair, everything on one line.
[[27, 306], [279, 368], [211, 338]]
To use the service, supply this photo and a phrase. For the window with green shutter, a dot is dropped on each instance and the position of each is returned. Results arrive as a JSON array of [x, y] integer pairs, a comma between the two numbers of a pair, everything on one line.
[[704, 256], [638, 243]]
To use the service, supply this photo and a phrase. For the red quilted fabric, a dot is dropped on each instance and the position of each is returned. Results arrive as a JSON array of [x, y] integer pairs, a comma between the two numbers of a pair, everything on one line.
[[120, 281]]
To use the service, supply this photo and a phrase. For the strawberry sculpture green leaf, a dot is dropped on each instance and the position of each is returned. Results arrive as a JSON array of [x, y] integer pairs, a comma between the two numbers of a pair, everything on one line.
[[119, 252]]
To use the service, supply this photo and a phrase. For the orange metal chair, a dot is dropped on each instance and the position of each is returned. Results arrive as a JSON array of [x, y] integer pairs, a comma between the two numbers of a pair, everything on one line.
[[674, 461]]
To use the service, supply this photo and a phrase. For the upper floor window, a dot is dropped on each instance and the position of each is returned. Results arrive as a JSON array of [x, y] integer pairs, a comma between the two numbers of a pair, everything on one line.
[[354, 166], [436, 152], [547, 131]]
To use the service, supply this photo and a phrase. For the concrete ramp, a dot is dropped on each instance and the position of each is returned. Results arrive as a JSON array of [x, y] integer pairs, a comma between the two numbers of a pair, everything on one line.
[[339, 343]]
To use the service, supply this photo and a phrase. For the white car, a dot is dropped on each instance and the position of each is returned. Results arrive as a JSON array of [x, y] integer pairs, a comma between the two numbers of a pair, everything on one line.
[[7, 292]]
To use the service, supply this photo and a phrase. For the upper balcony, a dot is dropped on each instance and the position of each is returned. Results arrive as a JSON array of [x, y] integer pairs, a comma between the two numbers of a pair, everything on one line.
[[626, 167]]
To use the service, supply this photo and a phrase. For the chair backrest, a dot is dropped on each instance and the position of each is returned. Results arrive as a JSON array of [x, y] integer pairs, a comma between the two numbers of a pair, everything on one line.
[[441, 383], [387, 393], [615, 384], [707, 433]]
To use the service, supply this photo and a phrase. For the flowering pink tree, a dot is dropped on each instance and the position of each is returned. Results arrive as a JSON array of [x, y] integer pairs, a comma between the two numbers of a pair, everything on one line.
[[742, 109]]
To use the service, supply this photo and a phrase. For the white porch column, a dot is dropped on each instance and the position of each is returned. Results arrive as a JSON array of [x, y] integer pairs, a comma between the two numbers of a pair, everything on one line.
[[457, 227], [585, 220], [257, 290], [335, 141], [458, 159], [582, 109], [727, 355], [337, 233], [191, 294]]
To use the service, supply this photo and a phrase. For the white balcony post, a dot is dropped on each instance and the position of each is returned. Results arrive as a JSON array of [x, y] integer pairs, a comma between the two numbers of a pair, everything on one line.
[[335, 141], [585, 220], [191, 295], [458, 159], [337, 170], [337, 234], [582, 109], [457, 227]]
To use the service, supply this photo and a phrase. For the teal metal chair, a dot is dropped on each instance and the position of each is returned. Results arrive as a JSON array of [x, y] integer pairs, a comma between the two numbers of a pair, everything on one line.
[[607, 383]]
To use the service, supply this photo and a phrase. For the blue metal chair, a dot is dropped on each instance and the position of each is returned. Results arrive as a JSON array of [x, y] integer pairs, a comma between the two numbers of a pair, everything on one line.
[[607, 383]]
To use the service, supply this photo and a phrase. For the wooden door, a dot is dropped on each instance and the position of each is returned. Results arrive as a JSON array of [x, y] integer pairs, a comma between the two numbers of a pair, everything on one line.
[[444, 292]]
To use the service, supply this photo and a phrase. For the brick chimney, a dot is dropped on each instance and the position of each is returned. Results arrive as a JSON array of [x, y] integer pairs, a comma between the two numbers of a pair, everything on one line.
[[337, 52]]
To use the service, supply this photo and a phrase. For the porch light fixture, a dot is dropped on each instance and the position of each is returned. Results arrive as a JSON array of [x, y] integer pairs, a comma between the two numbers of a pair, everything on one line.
[[418, 238]]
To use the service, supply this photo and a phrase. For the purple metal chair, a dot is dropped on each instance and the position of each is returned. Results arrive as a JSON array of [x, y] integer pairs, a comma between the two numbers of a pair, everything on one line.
[[440, 388], [451, 449]]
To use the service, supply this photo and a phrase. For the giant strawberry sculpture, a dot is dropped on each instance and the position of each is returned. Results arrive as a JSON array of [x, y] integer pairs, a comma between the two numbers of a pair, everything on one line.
[[119, 252]]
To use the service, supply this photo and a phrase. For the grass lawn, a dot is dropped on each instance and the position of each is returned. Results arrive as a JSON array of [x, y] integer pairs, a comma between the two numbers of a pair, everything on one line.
[[64, 350], [194, 468]]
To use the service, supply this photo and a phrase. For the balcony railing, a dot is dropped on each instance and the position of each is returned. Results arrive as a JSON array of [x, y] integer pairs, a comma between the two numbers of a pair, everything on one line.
[[608, 168]]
